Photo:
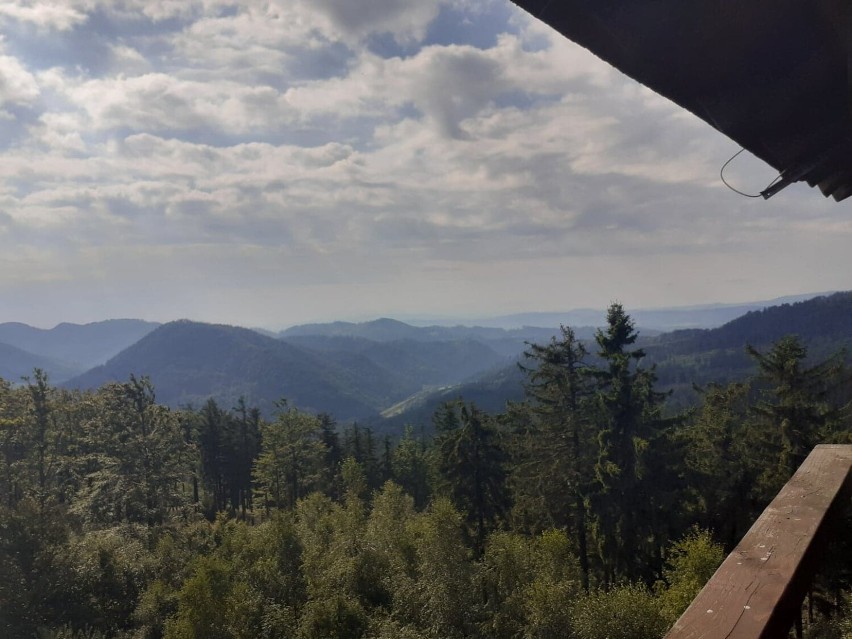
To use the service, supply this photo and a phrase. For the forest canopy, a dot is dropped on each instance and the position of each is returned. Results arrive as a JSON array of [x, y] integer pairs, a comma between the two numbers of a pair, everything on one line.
[[587, 510]]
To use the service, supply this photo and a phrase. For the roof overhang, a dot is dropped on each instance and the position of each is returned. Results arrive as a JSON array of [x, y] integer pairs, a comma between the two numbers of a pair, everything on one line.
[[773, 75]]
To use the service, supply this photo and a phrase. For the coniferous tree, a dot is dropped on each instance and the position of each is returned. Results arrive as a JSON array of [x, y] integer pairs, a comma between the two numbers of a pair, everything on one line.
[[332, 481], [556, 453], [245, 442], [719, 458], [796, 409], [135, 465], [214, 452], [290, 461], [628, 412], [471, 463], [410, 467]]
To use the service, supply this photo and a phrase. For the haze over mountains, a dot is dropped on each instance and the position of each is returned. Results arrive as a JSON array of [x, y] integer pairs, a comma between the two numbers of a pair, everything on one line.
[[654, 319], [67, 349], [387, 372]]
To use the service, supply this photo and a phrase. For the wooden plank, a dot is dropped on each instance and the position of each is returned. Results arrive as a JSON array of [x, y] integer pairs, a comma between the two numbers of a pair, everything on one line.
[[758, 589]]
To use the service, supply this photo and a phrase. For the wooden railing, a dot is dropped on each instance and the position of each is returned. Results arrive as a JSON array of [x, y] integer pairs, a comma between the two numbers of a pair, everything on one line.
[[758, 590]]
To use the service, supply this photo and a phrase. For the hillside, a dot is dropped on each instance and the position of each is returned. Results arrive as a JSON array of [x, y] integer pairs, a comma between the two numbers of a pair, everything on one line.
[[189, 362], [506, 342], [824, 324], [490, 393], [682, 358], [417, 362], [350, 378], [78, 346]]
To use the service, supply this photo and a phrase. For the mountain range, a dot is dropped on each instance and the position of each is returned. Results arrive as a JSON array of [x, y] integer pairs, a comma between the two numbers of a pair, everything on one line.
[[683, 358], [351, 378], [383, 373], [67, 349]]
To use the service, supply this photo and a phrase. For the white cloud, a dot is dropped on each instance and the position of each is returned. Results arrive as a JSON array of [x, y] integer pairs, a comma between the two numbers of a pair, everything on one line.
[[59, 15], [17, 85], [162, 102], [268, 150], [59, 131]]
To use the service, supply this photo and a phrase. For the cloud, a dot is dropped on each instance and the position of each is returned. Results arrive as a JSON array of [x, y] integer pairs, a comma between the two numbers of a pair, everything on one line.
[[353, 151], [17, 85], [162, 102], [355, 19], [61, 16]]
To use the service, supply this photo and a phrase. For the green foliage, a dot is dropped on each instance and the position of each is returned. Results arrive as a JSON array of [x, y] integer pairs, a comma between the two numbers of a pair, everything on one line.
[[336, 617], [471, 463], [411, 467], [690, 563], [290, 459], [530, 584], [720, 458], [227, 444], [135, 458], [795, 406], [548, 609], [555, 443], [102, 575], [628, 502], [445, 573], [103, 499], [203, 610], [625, 612]]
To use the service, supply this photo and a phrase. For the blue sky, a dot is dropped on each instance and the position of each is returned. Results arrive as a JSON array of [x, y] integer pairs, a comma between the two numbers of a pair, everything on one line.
[[270, 163]]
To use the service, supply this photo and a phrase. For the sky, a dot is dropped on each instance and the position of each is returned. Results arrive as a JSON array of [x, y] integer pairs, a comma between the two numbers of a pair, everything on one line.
[[272, 163]]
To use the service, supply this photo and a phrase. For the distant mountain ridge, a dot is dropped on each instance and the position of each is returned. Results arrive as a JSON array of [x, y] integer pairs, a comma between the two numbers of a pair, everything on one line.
[[385, 330], [507, 342], [356, 371], [77, 346], [823, 323], [189, 362], [826, 318], [657, 319], [16, 363]]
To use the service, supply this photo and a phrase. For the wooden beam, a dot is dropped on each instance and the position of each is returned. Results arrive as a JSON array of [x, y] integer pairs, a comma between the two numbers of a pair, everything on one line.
[[758, 590]]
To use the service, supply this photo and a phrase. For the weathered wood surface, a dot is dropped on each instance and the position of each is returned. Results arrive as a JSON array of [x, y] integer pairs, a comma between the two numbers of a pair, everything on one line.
[[758, 589]]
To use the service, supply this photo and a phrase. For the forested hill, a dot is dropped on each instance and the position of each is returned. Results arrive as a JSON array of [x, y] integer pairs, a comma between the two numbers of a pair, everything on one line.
[[821, 321], [413, 362], [682, 358], [507, 341], [189, 362]]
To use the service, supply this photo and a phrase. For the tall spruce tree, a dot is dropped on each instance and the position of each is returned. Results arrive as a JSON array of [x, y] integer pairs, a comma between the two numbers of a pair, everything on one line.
[[799, 406], [719, 458], [471, 462], [628, 412], [556, 451]]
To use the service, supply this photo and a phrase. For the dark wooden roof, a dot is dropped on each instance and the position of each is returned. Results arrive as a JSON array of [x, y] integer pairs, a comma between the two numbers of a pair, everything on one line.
[[773, 75]]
